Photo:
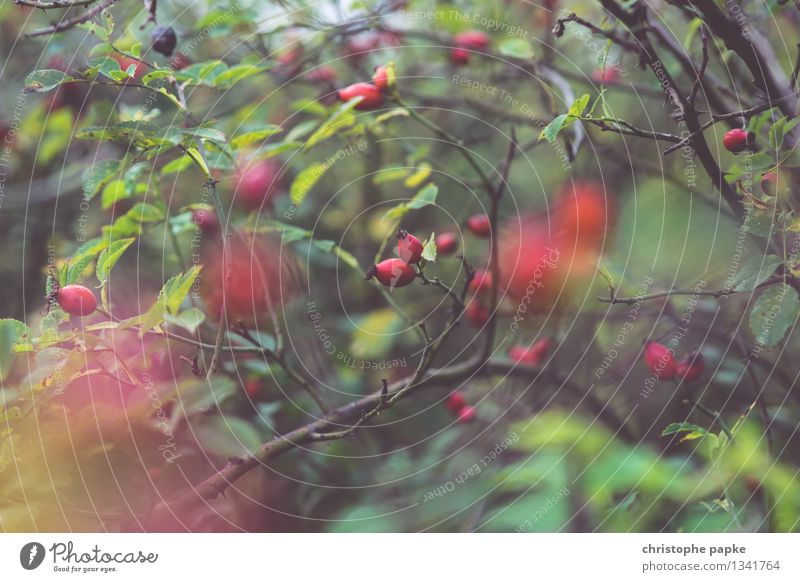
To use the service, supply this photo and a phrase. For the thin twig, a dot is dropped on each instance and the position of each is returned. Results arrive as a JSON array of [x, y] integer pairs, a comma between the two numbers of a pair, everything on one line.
[[72, 22]]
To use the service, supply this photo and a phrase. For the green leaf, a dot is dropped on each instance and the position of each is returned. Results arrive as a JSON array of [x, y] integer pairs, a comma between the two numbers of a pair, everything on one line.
[[429, 250], [305, 181], [226, 436], [189, 319], [423, 173], [206, 133], [197, 158], [517, 48], [693, 431], [102, 27], [755, 271], [390, 174], [100, 174], [342, 118], [109, 257], [81, 259], [551, 130], [177, 288], [12, 333], [227, 79], [424, 197], [252, 137], [144, 212], [578, 106], [775, 311], [45, 80], [177, 165]]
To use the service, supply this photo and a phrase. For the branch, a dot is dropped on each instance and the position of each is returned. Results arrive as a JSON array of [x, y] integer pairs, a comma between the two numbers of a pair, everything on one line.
[[72, 22], [220, 481], [54, 4], [560, 27], [716, 294], [716, 118]]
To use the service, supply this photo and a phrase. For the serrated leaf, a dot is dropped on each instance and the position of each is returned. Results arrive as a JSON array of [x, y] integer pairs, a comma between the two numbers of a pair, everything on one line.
[[100, 174], [144, 212], [189, 319], [305, 181], [109, 257], [45, 80], [755, 271], [429, 250], [177, 288], [775, 311], [206, 133]]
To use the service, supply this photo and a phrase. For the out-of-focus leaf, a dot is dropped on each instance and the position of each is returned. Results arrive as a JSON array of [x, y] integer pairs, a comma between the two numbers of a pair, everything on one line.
[[775, 311], [755, 271]]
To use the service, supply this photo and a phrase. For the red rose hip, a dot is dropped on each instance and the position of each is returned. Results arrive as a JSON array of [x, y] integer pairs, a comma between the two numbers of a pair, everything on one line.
[[660, 360], [481, 282], [76, 300], [372, 97], [409, 248], [392, 273], [691, 367], [477, 314], [466, 414], [479, 225], [446, 243], [737, 140], [455, 402], [532, 355]]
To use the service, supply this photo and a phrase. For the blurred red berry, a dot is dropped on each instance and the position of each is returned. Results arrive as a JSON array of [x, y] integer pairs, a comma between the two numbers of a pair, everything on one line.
[[466, 414], [531, 355], [691, 367], [476, 313], [258, 183], [455, 402], [479, 225], [660, 360], [446, 243]]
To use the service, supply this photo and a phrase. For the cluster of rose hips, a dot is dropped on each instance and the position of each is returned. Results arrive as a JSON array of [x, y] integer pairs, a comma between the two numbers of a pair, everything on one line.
[[373, 93], [398, 272], [457, 405], [662, 363]]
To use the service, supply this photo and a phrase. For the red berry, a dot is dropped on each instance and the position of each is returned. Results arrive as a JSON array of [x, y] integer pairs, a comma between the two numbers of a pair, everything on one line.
[[408, 247], [466, 414], [258, 182], [481, 282], [372, 97], [322, 74], [606, 76], [476, 313], [252, 387], [392, 273], [472, 39], [446, 243], [660, 360], [479, 225], [206, 220], [466, 42], [769, 183], [76, 300], [459, 56], [583, 215], [691, 367], [737, 140], [455, 402], [532, 355], [380, 77]]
